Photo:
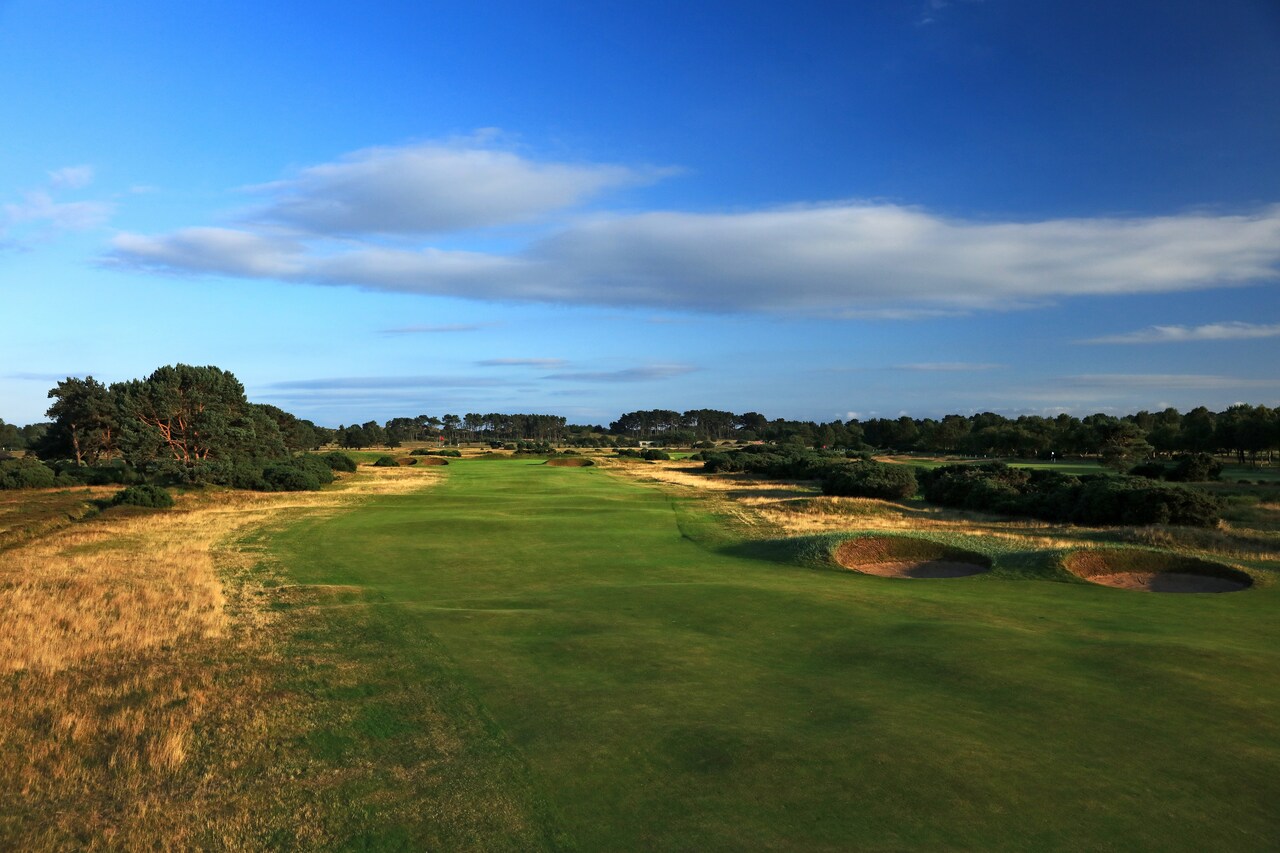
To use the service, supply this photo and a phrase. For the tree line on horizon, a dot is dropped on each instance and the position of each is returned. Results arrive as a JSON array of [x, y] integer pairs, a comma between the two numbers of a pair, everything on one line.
[[190, 418]]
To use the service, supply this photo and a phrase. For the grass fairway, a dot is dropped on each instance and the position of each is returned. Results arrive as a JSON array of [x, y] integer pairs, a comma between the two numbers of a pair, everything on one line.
[[665, 686]]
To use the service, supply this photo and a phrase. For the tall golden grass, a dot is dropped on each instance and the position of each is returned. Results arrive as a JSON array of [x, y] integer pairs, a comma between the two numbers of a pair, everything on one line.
[[123, 647], [790, 508]]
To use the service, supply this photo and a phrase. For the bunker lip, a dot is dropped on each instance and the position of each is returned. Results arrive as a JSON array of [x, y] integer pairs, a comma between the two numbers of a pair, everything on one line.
[[906, 557], [1154, 571], [569, 463], [431, 460]]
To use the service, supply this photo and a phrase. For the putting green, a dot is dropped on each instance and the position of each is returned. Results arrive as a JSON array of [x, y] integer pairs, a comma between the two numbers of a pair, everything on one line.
[[669, 688]]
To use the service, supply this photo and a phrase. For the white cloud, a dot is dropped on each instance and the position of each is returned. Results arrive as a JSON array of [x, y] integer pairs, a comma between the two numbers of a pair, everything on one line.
[[222, 251], [39, 214], [39, 207], [843, 260], [434, 187], [1227, 331], [71, 177]]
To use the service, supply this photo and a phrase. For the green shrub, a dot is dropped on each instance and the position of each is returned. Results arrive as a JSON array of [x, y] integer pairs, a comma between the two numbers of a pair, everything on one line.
[[1151, 470], [1196, 468], [26, 473], [299, 474], [866, 479], [386, 462], [338, 461], [143, 494], [655, 455], [1053, 496]]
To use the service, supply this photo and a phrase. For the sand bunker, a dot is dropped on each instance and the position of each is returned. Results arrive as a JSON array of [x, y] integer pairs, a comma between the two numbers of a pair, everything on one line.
[[431, 460], [569, 463], [904, 557], [1154, 571]]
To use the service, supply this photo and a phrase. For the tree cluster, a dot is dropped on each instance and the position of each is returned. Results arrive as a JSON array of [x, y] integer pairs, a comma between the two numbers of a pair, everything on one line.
[[182, 424]]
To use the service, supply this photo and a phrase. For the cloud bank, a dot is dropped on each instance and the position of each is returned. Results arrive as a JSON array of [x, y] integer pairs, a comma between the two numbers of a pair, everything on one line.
[[847, 259]]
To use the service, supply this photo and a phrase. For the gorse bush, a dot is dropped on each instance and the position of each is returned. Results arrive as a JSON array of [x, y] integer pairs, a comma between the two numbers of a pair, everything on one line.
[[768, 461], [1196, 468], [299, 474], [866, 479], [386, 462], [145, 495], [338, 461], [1053, 496], [26, 473], [1188, 468]]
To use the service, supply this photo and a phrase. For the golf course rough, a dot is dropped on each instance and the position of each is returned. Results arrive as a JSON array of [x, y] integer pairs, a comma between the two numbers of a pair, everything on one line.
[[651, 682]]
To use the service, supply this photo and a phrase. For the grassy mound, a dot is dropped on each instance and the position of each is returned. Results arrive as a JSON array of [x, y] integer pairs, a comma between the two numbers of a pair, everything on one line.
[[1154, 571], [908, 557], [569, 463]]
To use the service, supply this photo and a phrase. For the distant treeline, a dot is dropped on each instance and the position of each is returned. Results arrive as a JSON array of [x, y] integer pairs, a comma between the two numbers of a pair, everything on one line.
[[1243, 430], [93, 421]]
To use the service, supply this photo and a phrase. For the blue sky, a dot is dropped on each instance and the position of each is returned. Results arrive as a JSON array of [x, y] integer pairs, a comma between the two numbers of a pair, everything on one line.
[[812, 210]]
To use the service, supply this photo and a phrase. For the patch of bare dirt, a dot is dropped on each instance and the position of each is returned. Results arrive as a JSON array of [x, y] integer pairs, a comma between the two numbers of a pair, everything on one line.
[[1154, 571], [933, 569], [908, 557], [1168, 582]]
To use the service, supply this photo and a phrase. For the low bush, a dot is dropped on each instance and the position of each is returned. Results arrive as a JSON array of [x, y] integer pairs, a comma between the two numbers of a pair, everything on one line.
[[1053, 496], [1196, 468], [867, 479], [386, 462], [765, 460], [26, 473], [655, 455], [145, 495], [338, 461], [299, 474]]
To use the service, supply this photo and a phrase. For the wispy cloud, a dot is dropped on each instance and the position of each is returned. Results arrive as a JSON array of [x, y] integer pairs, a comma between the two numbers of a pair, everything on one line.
[[631, 374], [47, 377], [40, 213], [1172, 381], [71, 177], [947, 366], [444, 328], [545, 363], [382, 382], [1227, 331]]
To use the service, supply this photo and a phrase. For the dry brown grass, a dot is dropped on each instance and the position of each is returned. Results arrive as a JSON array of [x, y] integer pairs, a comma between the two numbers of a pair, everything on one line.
[[795, 508], [121, 655]]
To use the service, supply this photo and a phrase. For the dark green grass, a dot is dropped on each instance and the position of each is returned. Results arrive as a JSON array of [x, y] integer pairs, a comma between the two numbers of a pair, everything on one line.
[[669, 687]]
